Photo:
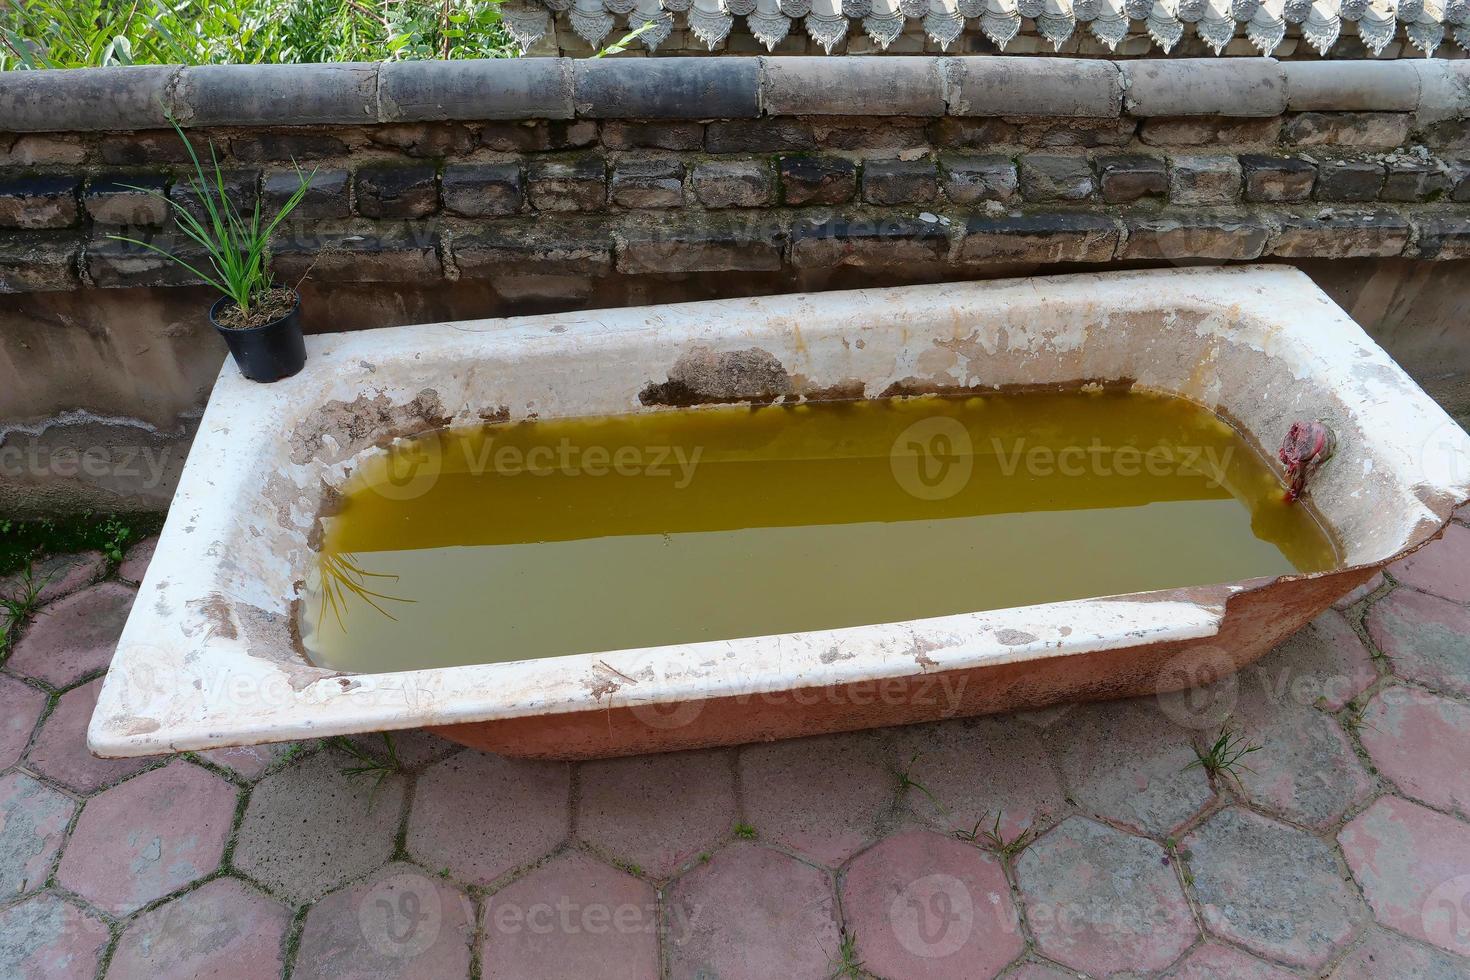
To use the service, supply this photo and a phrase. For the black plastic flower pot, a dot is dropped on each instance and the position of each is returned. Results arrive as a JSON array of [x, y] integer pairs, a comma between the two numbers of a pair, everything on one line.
[[268, 352]]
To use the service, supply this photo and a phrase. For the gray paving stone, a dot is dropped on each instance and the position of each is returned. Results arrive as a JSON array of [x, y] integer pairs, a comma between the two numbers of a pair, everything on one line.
[[33, 820], [47, 937]]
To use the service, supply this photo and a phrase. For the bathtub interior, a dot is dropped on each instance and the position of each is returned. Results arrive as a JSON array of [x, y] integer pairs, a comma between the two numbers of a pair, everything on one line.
[[1262, 346]]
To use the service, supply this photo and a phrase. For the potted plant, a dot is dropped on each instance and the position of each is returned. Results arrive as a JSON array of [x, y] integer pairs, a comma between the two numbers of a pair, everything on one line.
[[259, 320]]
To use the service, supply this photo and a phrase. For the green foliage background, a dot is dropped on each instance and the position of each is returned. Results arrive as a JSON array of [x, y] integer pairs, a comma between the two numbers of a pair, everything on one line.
[[90, 33]]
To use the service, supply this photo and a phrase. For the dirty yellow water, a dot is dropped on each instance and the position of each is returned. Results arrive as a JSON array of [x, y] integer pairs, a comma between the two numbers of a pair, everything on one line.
[[537, 539]]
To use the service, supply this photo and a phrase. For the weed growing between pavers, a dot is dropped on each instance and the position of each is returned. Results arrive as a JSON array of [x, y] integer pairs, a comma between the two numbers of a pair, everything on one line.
[[368, 764], [1225, 754], [24, 541], [17, 607]]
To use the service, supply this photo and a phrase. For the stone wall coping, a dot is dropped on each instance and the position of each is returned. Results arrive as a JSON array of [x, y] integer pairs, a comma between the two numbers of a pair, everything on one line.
[[144, 97]]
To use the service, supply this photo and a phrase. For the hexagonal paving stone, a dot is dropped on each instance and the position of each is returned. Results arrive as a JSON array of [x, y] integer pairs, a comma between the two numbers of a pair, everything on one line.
[[973, 770], [1273, 889], [1306, 768], [398, 922], [572, 917], [413, 747], [20, 708], [1041, 971], [46, 937], [148, 836], [821, 796], [310, 827], [1387, 954], [1125, 761], [1414, 866], [924, 905], [752, 912], [521, 808], [1325, 664], [135, 564], [33, 819], [1360, 593], [75, 636], [1427, 639], [224, 930], [1420, 741], [656, 811], [60, 749], [1441, 567], [1215, 961], [58, 576], [1103, 901], [249, 762]]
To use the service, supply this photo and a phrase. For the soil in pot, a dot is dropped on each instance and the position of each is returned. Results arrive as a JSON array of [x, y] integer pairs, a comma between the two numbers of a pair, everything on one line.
[[267, 307]]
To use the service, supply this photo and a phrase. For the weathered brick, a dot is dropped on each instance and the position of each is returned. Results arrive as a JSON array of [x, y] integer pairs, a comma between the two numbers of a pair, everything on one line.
[[1042, 238], [391, 252], [397, 192], [1341, 235], [538, 136], [114, 264], [776, 135], [656, 247], [1045, 177], [241, 190], [425, 140], [657, 183], [1349, 180], [326, 194], [882, 134], [1084, 134], [152, 147], [271, 147], [1459, 179], [1190, 236], [477, 190], [867, 242], [1129, 177], [568, 185], [543, 246], [1204, 179], [1209, 131], [38, 262], [817, 180], [1443, 236], [1277, 179], [39, 202], [43, 150], [116, 199], [899, 181], [621, 135], [968, 179], [1347, 129], [972, 134], [733, 183], [1415, 180]]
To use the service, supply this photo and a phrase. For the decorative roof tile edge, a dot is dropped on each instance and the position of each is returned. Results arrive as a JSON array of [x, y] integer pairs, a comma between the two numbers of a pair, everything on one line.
[[120, 99]]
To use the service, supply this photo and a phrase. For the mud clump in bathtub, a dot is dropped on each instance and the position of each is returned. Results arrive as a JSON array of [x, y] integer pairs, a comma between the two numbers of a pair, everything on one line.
[[521, 540]]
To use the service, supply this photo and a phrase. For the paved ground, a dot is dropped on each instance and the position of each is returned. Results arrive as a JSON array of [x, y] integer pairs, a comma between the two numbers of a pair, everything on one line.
[[1059, 844]]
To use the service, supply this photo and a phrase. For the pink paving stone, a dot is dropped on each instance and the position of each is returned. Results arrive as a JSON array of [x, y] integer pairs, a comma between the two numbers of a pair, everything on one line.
[[1274, 889], [249, 762], [1440, 568], [1213, 961], [60, 750], [1127, 762], [1325, 664], [480, 815], [46, 937], [33, 819], [1041, 971], [20, 707], [923, 905], [1414, 866], [223, 930], [973, 770], [1306, 768], [1421, 741], [399, 922], [148, 836], [135, 565], [61, 574], [656, 811], [1103, 901], [1383, 954], [1360, 593], [1426, 638], [752, 913], [75, 636], [821, 796], [573, 917]]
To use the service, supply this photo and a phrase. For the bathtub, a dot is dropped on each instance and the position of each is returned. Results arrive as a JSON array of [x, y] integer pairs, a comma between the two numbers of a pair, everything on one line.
[[211, 656]]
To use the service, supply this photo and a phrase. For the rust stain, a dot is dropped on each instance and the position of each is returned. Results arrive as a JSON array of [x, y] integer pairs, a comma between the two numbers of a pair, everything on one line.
[[704, 377]]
